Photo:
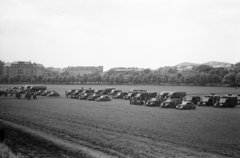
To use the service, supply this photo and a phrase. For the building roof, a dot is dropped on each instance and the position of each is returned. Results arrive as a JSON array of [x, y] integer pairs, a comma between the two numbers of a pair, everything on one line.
[[7, 65], [21, 62], [38, 65]]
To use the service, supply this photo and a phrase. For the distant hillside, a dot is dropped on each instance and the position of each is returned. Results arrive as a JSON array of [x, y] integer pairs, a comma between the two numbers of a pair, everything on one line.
[[216, 63], [210, 63], [184, 64]]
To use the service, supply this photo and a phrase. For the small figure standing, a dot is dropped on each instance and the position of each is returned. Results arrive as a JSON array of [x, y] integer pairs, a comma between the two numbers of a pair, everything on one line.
[[1, 135], [34, 96]]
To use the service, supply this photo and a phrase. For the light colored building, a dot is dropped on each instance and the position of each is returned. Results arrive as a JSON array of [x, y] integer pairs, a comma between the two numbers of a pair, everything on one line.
[[186, 70], [23, 68], [124, 69], [84, 70], [6, 69], [38, 69]]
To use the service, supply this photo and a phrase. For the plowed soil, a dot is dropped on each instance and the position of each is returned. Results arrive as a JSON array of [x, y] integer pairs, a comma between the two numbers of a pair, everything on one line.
[[61, 127]]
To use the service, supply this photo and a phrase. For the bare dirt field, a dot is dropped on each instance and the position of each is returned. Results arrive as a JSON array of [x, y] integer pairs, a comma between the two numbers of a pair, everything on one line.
[[61, 127]]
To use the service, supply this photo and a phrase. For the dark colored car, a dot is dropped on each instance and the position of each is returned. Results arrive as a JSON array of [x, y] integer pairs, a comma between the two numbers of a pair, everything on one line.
[[107, 90], [119, 95], [46, 92], [171, 103], [194, 99], [103, 98], [114, 92], [129, 95], [53, 94], [93, 96], [154, 102], [186, 105], [85, 96]]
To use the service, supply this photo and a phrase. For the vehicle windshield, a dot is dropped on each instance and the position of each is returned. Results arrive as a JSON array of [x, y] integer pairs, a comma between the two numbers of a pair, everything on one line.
[[222, 100], [85, 94], [206, 99], [119, 93], [138, 95], [154, 99], [188, 98], [129, 94], [168, 101]]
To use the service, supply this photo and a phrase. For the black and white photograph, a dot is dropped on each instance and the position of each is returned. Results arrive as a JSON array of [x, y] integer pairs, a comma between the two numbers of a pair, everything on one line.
[[119, 79]]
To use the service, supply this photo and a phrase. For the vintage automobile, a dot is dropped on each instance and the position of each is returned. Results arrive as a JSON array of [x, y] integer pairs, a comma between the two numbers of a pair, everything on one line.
[[75, 94], [154, 102], [114, 92], [94, 96], [45, 93], [53, 94], [107, 90], [194, 99], [186, 105], [171, 103], [227, 101], [99, 91], [119, 95], [103, 98], [129, 95], [84, 96], [209, 100], [39, 92], [179, 95], [238, 96], [37, 88], [70, 91]]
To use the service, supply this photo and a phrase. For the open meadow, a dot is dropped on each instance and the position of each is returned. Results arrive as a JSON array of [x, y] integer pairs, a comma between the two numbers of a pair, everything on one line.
[[64, 127]]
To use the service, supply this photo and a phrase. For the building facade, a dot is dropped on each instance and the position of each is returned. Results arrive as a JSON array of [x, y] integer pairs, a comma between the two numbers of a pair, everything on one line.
[[84, 70], [124, 69], [23, 68]]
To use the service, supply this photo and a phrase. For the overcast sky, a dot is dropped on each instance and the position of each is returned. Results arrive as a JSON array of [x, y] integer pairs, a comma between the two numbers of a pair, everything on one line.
[[119, 33]]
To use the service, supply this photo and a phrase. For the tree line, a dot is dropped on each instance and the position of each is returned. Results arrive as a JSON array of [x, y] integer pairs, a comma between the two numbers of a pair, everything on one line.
[[201, 75]]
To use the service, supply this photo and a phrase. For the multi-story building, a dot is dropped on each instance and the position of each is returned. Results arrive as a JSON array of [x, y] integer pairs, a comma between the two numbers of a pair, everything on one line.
[[123, 69], [1, 67], [38, 69], [84, 70], [23, 68], [6, 69]]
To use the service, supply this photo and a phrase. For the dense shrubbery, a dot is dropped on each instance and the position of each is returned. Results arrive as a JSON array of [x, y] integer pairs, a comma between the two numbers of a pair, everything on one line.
[[201, 75]]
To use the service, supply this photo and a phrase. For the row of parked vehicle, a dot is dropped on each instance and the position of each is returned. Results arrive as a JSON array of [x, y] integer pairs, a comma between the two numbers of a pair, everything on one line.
[[166, 99], [89, 94], [34, 89]]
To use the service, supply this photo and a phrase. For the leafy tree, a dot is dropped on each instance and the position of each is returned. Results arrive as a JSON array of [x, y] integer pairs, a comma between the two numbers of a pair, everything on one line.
[[203, 68], [237, 64], [181, 79], [11, 79], [203, 79], [216, 79], [33, 80], [229, 79], [237, 78]]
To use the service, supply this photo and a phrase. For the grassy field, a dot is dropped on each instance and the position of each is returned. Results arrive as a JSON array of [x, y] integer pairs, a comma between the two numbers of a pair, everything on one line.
[[61, 127]]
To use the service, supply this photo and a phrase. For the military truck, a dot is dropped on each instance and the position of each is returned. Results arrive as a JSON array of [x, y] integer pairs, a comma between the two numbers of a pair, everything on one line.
[[227, 101], [193, 98], [179, 95], [209, 100]]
